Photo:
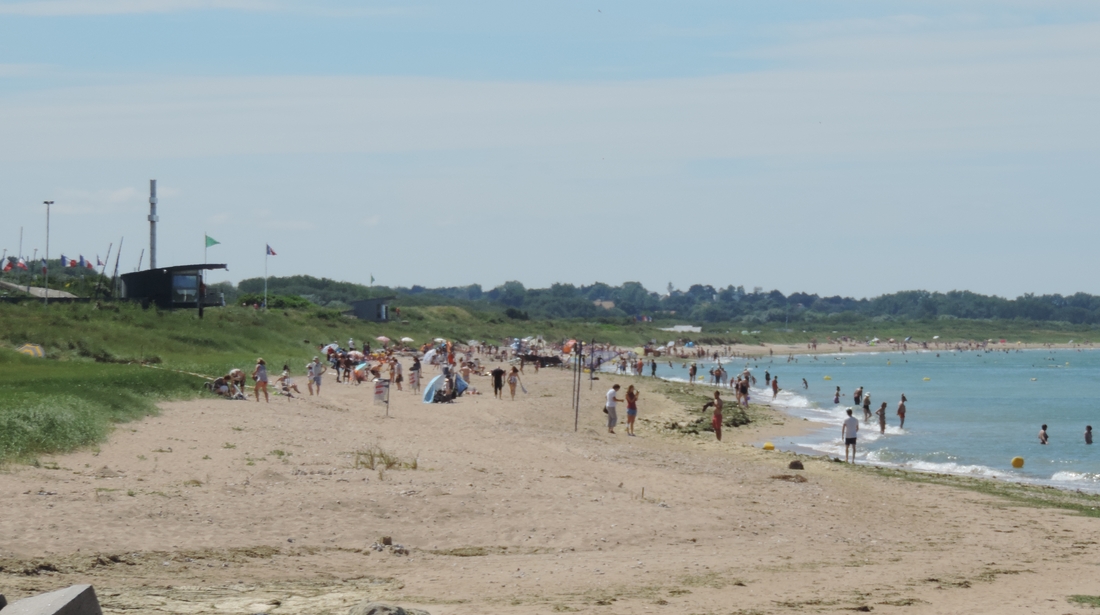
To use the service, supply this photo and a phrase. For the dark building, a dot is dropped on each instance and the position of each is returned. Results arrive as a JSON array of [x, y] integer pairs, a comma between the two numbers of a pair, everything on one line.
[[170, 287], [373, 310]]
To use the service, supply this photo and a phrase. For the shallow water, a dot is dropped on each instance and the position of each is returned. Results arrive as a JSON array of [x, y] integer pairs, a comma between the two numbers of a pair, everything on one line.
[[968, 412]]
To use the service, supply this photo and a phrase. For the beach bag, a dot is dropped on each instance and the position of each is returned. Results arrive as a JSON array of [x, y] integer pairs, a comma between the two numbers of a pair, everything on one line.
[[605, 409]]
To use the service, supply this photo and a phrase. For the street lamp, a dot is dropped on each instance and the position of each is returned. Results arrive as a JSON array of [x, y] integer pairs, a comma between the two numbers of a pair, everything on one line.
[[46, 296]]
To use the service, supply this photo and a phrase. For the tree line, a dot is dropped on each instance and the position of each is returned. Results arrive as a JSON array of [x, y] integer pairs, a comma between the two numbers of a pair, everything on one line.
[[699, 303]]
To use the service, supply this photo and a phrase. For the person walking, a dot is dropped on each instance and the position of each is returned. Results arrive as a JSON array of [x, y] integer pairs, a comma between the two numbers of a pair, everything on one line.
[[775, 387], [513, 380], [313, 373], [848, 432], [631, 409], [881, 413], [609, 408], [901, 411], [498, 382], [259, 375]]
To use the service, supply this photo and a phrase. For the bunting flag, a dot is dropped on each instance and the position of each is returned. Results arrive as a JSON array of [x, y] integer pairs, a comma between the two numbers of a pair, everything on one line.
[[210, 241], [22, 264], [89, 265], [99, 263], [44, 267], [270, 252], [7, 265], [64, 261], [81, 263]]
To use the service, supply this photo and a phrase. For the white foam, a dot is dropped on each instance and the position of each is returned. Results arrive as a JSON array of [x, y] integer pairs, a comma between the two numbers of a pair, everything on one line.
[[1074, 477]]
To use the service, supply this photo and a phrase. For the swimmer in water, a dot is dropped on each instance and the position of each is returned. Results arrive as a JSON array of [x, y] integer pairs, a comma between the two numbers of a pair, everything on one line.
[[901, 411], [1043, 439], [881, 413]]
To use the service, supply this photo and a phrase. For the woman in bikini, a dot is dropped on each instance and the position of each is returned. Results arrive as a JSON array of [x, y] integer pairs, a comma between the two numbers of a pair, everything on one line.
[[631, 409]]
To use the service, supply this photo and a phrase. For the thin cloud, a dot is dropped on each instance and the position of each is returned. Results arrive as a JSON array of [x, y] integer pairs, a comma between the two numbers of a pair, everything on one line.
[[75, 8]]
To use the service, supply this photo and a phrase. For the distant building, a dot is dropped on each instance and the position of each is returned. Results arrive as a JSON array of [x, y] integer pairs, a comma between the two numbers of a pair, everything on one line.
[[607, 305], [683, 329], [373, 310], [170, 287]]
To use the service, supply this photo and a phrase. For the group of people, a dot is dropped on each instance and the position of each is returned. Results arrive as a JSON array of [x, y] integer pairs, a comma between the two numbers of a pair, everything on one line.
[[611, 408], [1044, 438]]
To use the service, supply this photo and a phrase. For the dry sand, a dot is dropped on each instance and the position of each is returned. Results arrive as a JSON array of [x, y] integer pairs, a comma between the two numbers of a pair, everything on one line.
[[239, 507]]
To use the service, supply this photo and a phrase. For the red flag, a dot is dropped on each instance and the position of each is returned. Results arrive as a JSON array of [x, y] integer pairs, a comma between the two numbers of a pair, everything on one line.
[[22, 264], [7, 265]]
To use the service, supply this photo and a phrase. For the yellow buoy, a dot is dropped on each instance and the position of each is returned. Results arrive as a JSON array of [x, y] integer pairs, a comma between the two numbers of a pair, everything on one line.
[[927, 379], [887, 362], [1017, 462], [768, 446], [828, 377]]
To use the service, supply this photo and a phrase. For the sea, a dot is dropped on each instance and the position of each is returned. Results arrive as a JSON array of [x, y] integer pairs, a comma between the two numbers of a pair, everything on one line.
[[968, 412]]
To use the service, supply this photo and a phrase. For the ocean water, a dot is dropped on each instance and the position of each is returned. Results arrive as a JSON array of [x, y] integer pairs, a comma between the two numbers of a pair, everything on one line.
[[968, 413]]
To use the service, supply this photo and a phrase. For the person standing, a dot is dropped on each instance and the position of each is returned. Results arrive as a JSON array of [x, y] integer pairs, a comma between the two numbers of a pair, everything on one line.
[[1088, 434], [857, 395], [399, 377], [848, 432], [314, 374], [867, 408], [1043, 439], [498, 382], [881, 413], [259, 375], [653, 368], [691, 373], [901, 411], [836, 398], [631, 409], [716, 418], [609, 408], [775, 387]]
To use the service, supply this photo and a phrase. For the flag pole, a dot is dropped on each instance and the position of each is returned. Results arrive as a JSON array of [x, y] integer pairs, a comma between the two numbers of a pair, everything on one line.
[[265, 277]]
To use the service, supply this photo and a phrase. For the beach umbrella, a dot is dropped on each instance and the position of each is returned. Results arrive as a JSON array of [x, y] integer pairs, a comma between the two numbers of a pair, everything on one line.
[[440, 340], [383, 339], [406, 339], [935, 337], [473, 342], [32, 350], [639, 351]]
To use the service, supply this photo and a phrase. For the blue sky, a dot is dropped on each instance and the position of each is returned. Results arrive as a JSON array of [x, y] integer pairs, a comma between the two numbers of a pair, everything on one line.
[[833, 147]]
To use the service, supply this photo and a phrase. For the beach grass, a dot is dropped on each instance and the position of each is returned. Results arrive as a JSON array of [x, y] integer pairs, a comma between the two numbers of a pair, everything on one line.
[[1093, 601], [50, 406]]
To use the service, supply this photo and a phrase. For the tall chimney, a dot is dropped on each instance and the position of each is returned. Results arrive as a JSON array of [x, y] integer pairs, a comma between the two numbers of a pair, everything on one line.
[[153, 224]]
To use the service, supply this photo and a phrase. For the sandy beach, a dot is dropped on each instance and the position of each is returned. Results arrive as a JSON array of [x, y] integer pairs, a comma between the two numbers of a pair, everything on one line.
[[238, 507]]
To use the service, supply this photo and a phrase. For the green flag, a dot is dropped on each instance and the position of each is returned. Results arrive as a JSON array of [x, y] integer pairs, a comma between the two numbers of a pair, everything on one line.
[[210, 241], [372, 278]]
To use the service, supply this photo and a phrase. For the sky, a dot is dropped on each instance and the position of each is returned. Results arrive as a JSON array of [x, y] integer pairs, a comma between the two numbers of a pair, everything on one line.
[[841, 148]]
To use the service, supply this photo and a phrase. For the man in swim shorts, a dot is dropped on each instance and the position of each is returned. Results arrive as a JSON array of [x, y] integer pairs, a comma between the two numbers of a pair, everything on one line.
[[848, 432], [498, 382], [316, 368], [1043, 435]]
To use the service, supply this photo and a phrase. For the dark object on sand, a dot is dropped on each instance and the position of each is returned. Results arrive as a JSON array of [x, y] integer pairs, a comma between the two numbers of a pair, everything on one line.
[[796, 465]]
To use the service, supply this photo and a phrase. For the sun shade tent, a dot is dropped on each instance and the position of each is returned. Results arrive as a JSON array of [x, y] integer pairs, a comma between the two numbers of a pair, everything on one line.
[[32, 350]]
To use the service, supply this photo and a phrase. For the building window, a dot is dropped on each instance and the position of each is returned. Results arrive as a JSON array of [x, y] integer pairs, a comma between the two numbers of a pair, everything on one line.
[[185, 288]]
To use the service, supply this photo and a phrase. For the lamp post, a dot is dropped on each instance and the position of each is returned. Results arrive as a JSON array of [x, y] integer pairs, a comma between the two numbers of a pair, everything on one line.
[[46, 297]]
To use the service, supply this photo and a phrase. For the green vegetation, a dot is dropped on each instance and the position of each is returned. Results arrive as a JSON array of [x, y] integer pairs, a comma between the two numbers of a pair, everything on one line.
[[1093, 601], [1014, 494], [47, 406]]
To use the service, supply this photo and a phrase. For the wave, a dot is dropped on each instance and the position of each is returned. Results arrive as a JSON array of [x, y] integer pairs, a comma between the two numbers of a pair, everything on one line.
[[1075, 477]]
